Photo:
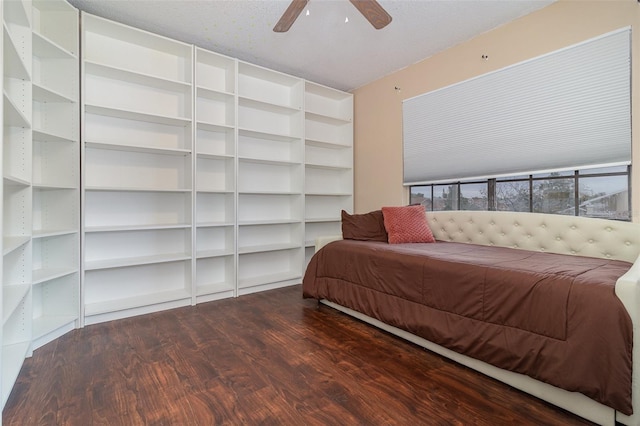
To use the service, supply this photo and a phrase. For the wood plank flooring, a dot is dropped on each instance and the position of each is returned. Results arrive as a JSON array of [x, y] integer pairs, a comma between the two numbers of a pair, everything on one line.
[[270, 358]]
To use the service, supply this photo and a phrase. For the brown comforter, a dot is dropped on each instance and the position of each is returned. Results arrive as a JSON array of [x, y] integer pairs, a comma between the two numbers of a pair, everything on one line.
[[553, 317]]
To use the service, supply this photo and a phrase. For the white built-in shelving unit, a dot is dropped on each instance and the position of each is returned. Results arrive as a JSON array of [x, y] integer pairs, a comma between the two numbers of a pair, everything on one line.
[[17, 190], [215, 176], [41, 180], [137, 171], [56, 170], [270, 178], [328, 161], [182, 175]]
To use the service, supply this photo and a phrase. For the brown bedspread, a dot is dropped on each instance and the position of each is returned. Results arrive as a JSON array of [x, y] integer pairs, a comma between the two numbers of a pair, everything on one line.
[[553, 317]]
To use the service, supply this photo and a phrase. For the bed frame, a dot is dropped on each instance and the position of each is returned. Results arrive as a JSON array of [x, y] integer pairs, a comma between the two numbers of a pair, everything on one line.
[[601, 238]]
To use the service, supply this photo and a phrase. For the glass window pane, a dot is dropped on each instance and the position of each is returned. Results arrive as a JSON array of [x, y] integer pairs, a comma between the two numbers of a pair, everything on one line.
[[445, 197], [605, 197], [554, 196], [421, 195], [512, 196], [473, 196]]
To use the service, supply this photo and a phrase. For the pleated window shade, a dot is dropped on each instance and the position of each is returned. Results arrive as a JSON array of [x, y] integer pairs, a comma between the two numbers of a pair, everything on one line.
[[565, 110]]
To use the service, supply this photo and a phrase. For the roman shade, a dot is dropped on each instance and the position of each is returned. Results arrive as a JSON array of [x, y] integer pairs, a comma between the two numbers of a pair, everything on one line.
[[568, 109]]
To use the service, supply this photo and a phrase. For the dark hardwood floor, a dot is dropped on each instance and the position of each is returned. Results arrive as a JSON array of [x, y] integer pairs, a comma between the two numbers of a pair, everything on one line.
[[270, 358]]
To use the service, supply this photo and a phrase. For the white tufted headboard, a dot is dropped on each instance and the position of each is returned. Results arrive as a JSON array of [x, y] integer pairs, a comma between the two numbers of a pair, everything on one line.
[[583, 236], [552, 233]]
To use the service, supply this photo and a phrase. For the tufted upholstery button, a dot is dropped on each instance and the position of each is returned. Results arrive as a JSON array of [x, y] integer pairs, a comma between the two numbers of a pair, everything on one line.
[[590, 241], [608, 229], [558, 238], [516, 224], [607, 255], [542, 249], [573, 252], [515, 246], [543, 226], [627, 243], [573, 227], [502, 234]]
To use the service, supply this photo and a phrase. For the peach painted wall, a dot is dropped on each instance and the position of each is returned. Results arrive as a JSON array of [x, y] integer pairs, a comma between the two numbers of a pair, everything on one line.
[[378, 106]]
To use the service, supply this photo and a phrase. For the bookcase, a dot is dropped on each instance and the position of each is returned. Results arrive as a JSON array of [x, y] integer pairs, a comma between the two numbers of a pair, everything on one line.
[[17, 196], [328, 162], [270, 178], [55, 170], [137, 171], [182, 175], [41, 181], [215, 176]]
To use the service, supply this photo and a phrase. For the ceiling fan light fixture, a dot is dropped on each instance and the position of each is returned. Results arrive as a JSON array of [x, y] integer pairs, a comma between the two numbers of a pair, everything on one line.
[[370, 9]]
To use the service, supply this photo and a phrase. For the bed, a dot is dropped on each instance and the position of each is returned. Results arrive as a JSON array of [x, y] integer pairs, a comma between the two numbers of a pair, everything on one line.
[[451, 297]]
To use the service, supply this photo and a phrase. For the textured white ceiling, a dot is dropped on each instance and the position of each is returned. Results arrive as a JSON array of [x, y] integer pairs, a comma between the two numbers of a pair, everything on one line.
[[319, 47]]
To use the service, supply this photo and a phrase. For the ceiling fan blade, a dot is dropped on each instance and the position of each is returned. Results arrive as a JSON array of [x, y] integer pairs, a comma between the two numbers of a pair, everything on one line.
[[289, 16], [373, 12]]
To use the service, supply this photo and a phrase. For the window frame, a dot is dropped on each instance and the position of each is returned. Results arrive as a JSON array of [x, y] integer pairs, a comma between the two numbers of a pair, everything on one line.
[[491, 183]]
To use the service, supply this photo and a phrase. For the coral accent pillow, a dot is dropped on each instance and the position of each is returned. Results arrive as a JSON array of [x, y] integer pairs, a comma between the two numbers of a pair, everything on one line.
[[407, 225], [364, 227]]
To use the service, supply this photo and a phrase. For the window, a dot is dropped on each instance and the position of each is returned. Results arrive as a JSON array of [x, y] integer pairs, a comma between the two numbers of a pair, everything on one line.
[[602, 193]]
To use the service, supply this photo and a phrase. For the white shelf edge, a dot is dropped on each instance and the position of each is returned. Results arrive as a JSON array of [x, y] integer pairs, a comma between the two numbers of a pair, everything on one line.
[[44, 47], [117, 189], [136, 115], [249, 102], [14, 117], [214, 191], [204, 254], [42, 135], [268, 247], [326, 144], [323, 220], [95, 265], [213, 92], [268, 279], [10, 244], [328, 119], [12, 295], [279, 137], [136, 148], [328, 194], [41, 93], [269, 222], [52, 186], [45, 233], [46, 324], [98, 308], [328, 167], [109, 71], [127, 228], [254, 160], [15, 68], [211, 127], [213, 288], [41, 276], [215, 156], [214, 224], [15, 181], [249, 192]]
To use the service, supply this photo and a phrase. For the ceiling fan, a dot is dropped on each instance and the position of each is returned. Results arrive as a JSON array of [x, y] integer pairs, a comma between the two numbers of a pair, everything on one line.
[[370, 9]]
